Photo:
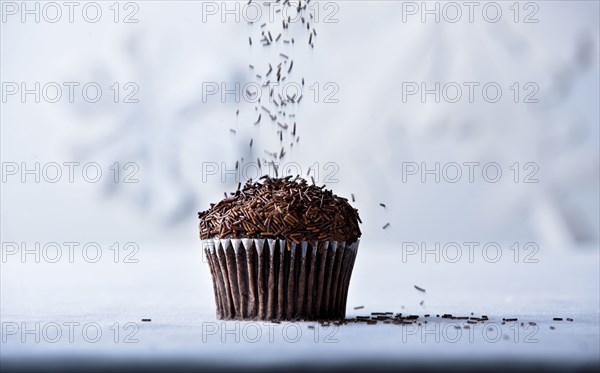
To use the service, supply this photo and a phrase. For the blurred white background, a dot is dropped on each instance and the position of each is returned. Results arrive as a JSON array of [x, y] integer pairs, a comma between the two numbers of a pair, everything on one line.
[[370, 50]]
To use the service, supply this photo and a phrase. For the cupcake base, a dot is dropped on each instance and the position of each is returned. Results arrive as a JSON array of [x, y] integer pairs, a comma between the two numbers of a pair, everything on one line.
[[266, 279]]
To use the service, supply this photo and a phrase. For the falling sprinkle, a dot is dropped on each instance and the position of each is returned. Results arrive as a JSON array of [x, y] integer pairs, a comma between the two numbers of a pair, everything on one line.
[[419, 288]]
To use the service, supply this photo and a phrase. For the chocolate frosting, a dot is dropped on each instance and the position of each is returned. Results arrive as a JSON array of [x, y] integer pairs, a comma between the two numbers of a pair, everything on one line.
[[281, 208]]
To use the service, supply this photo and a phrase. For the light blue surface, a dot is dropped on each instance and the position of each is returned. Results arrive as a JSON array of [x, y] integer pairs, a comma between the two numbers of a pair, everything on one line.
[[172, 286]]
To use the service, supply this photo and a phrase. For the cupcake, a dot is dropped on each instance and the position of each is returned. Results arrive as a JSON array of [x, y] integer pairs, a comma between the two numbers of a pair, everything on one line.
[[280, 249]]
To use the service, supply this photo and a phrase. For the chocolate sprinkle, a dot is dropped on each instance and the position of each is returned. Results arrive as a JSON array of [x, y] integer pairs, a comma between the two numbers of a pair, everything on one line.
[[282, 208]]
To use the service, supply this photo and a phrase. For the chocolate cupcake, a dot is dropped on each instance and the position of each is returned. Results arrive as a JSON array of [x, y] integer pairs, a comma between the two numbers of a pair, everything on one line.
[[280, 249]]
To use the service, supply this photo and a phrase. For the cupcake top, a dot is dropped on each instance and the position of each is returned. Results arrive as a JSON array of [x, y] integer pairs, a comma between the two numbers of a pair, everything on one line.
[[281, 208]]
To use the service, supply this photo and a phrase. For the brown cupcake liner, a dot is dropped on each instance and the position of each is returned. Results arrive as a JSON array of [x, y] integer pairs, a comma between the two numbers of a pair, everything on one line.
[[267, 279]]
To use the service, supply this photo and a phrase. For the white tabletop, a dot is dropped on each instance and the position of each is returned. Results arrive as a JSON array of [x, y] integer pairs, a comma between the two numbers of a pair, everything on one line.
[[172, 287]]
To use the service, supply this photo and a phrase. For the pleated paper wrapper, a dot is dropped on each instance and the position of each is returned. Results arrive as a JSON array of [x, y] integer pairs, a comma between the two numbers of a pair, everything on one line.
[[267, 279]]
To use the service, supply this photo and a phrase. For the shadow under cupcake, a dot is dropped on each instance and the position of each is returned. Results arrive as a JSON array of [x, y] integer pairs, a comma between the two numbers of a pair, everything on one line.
[[281, 249]]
